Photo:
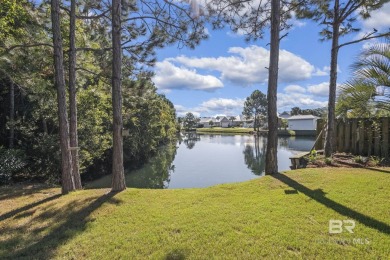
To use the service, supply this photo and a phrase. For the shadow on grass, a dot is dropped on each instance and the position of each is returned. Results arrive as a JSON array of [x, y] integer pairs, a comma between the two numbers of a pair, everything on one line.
[[27, 207], [71, 223], [18, 190], [319, 196], [176, 254], [378, 170]]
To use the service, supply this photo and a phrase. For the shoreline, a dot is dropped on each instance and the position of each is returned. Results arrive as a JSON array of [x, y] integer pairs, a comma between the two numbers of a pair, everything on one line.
[[281, 132]]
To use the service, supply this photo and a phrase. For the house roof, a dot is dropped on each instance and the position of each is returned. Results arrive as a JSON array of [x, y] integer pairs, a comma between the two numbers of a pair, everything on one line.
[[302, 117], [206, 119]]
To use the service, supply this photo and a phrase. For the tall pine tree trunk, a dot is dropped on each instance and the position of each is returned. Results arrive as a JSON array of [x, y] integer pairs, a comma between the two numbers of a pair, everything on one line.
[[72, 97], [11, 114], [66, 159], [331, 133], [271, 161], [118, 177]]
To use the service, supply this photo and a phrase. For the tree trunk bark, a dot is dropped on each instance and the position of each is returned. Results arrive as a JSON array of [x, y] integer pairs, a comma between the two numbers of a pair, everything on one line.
[[118, 177], [72, 97], [331, 133], [44, 126], [66, 159], [271, 161], [11, 114]]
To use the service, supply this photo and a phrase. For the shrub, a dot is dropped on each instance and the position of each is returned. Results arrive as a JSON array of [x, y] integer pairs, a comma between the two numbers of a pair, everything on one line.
[[313, 156], [11, 161], [358, 159], [375, 160], [328, 160]]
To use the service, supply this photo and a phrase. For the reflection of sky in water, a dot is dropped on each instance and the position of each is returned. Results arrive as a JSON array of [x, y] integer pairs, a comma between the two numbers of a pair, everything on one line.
[[206, 160]]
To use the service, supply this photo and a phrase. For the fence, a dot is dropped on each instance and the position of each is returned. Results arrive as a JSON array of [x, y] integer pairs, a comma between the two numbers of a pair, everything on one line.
[[360, 136]]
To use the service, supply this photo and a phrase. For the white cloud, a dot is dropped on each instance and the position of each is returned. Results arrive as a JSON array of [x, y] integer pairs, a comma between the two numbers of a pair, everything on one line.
[[324, 72], [321, 89], [182, 111], [380, 19], [169, 77], [294, 89], [214, 106], [222, 104], [248, 66], [286, 101]]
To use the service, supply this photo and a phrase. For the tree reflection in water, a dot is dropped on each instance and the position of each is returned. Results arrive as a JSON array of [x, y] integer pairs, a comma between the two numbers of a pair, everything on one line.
[[156, 174], [190, 138], [254, 155]]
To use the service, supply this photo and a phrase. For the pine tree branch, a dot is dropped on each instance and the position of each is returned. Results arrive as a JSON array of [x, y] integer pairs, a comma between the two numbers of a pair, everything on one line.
[[368, 36], [8, 49], [87, 17], [99, 75], [93, 49], [152, 18]]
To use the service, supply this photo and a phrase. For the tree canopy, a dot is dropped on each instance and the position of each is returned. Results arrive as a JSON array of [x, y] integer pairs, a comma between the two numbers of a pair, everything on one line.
[[256, 106]]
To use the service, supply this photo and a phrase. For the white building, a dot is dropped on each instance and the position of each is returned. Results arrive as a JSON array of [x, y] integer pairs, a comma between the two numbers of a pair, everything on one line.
[[302, 123], [284, 115]]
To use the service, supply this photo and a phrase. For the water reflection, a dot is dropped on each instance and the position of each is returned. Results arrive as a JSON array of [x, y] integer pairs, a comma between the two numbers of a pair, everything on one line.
[[206, 160], [190, 138], [156, 174], [254, 155]]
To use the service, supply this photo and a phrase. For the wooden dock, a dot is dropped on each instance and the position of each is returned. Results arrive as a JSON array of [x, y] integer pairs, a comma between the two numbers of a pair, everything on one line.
[[298, 161]]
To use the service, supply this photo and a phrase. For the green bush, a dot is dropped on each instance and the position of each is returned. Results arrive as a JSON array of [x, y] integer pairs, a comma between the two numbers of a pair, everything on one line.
[[358, 159], [328, 160], [11, 161], [313, 156]]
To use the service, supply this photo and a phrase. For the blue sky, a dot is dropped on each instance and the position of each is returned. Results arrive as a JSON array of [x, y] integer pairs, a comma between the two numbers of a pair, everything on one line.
[[216, 77]]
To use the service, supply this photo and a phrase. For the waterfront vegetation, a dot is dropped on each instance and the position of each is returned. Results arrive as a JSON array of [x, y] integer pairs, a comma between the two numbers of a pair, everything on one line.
[[232, 130], [281, 216], [241, 130]]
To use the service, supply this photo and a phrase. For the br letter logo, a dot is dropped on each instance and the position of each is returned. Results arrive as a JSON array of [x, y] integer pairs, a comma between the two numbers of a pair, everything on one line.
[[336, 226]]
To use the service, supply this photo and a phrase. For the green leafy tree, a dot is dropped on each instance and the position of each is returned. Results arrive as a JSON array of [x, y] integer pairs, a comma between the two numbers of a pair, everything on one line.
[[189, 121], [255, 105], [284, 123], [14, 18], [296, 111], [339, 18]]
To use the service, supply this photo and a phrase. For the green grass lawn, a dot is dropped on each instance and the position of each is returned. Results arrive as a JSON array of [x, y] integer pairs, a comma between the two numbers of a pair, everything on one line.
[[285, 216], [233, 130]]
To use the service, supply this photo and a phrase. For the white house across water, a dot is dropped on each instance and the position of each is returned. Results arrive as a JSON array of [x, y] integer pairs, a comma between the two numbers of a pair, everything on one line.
[[302, 123]]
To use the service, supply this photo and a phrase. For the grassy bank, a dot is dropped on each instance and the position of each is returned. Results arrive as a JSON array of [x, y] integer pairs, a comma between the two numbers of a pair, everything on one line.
[[285, 216], [233, 130], [240, 130]]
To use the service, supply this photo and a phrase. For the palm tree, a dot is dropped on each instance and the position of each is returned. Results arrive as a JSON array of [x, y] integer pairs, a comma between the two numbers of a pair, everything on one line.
[[365, 94], [232, 118]]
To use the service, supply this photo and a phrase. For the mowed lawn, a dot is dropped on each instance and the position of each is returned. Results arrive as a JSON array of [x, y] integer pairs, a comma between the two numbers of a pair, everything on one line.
[[285, 216]]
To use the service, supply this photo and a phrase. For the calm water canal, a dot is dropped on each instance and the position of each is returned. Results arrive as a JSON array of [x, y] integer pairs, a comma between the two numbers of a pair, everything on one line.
[[206, 160]]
